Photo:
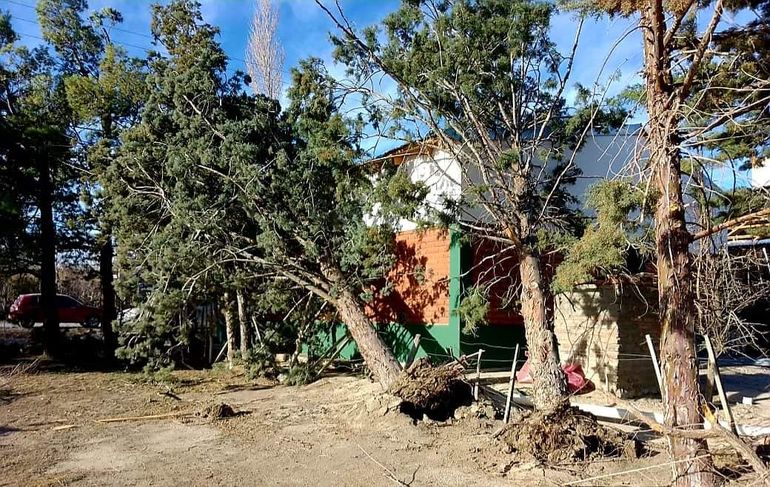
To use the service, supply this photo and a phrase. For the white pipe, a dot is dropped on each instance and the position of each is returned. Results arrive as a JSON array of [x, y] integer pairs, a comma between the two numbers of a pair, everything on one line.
[[619, 414]]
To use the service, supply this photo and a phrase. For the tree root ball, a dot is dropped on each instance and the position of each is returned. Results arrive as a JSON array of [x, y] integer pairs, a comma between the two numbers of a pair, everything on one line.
[[564, 435], [432, 391]]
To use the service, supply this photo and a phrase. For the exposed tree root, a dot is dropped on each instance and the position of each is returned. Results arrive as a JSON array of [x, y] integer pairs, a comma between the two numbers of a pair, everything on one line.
[[433, 391], [562, 436]]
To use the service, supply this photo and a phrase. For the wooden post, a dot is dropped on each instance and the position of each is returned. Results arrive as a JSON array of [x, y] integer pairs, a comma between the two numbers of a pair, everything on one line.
[[333, 356], [256, 329], [339, 344], [478, 375], [718, 382], [655, 364], [221, 351], [511, 382], [413, 351]]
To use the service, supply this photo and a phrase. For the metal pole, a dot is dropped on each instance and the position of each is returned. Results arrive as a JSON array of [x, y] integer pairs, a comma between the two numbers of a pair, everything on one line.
[[413, 351], [718, 380], [655, 364], [478, 375]]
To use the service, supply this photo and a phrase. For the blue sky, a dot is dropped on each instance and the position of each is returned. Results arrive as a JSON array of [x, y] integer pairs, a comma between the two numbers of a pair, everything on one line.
[[609, 51], [304, 31]]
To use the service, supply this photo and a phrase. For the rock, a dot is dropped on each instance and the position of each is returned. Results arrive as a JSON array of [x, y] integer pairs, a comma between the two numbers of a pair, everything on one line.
[[632, 449], [504, 467]]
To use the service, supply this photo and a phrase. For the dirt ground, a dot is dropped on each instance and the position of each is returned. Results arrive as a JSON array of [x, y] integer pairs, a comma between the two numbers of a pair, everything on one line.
[[338, 431]]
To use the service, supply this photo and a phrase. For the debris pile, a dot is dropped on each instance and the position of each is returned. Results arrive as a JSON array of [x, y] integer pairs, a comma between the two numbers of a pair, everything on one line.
[[217, 411]]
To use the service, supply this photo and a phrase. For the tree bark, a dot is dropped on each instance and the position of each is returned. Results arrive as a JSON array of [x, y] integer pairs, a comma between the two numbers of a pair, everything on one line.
[[672, 239], [109, 312], [230, 328], [550, 384], [375, 352], [243, 321], [378, 357], [51, 332]]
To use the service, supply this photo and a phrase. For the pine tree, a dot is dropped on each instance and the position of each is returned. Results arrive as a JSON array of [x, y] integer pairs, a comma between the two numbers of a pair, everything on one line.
[[214, 182], [692, 97], [37, 168], [486, 80], [104, 88]]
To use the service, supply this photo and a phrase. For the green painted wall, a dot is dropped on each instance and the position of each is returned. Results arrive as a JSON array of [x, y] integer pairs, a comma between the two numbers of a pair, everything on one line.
[[399, 338], [498, 341], [444, 340]]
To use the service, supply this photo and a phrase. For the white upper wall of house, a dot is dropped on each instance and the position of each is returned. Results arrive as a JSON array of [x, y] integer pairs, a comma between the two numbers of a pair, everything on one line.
[[441, 173], [601, 157], [760, 175]]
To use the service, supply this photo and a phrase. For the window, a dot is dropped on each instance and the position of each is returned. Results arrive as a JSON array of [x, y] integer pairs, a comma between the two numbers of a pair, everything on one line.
[[66, 302]]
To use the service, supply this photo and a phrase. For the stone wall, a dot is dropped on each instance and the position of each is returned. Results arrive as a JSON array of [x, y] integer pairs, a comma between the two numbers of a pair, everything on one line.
[[602, 327]]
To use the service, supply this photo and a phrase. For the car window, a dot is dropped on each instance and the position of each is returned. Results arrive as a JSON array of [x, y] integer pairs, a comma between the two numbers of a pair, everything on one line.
[[66, 302]]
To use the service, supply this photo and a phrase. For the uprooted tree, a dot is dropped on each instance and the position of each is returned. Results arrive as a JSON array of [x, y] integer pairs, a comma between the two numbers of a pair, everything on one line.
[[212, 177], [486, 82]]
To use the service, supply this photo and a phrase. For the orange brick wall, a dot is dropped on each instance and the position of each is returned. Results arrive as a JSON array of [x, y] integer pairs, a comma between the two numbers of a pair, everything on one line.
[[499, 276], [421, 280]]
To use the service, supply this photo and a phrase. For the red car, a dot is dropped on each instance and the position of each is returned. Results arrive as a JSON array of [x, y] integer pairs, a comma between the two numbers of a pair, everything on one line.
[[26, 311]]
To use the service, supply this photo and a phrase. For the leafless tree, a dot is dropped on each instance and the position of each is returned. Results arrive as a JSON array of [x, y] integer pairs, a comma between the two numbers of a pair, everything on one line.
[[264, 54]]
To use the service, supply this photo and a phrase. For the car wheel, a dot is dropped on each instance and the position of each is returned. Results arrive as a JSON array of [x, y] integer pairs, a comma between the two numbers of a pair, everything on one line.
[[92, 322]]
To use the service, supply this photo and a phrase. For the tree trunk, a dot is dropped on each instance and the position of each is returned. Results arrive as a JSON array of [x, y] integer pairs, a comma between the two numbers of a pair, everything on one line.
[[375, 352], [51, 332], [550, 384], [672, 240], [243, 321], [377, 356], [677, 313], [109, 312], [230, 328]]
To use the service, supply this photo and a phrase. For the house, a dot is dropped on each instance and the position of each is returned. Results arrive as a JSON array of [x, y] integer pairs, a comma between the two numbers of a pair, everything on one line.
[[436, 266], [753, 236]]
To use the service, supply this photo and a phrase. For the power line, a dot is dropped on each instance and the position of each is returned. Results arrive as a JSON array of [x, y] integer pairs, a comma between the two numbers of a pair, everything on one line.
[[125, 44], [21, 4], [32, 7], [118, 29], [243, 65]]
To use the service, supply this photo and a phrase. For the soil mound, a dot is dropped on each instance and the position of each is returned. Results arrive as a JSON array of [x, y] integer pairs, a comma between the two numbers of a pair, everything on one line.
[[432, 391], [218, 411], [564, 436]]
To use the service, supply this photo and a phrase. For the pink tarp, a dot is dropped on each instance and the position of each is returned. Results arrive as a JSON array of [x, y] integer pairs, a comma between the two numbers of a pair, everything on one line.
[[576, 379]]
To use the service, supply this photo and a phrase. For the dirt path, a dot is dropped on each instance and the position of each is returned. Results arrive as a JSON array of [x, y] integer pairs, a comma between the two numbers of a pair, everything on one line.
[[339, 431]]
